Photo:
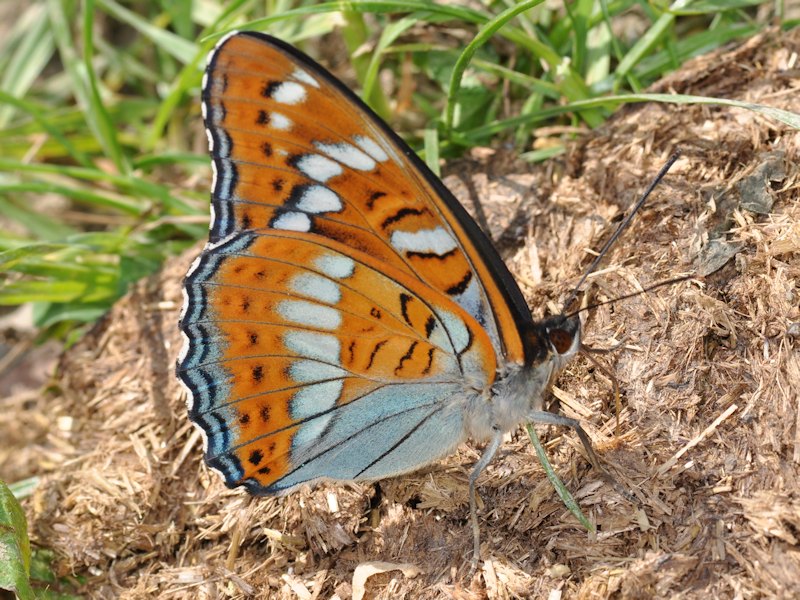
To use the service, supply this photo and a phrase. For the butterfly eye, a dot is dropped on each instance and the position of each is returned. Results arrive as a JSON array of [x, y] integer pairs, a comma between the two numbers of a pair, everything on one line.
[[561, 339]]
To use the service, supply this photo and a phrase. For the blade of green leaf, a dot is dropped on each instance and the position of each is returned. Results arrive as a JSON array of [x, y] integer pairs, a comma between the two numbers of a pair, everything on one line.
[[10, 258], [47, 314], [714, 6], [134, 185], [431, 141], [120, 203], [450, 11], [784, 116], [45, 122], [91, 290], [483, 36], [172, 44], [28, 60], [15, 548], [388, 35], [97, 113], [35, 222], [563, 493], [60, 23], [657, 32]]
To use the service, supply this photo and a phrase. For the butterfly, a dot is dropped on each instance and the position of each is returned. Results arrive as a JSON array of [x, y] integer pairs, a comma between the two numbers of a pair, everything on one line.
[[347, 320]]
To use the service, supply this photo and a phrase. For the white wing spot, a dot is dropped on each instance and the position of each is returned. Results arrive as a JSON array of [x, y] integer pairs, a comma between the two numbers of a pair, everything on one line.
[[210, 57], [210, 141], [190, 405], [213, 187], [303, 76], [314, 399], [186, 341], [459, 334], [317, 346], [310, 431], [319, 199], [280, 121], [225, 38], [306, 371], [347, 154], [309, 314], [318, 168], [218, 243], [317, 287], [292, 221], [470, 299], [289, 92], [371, 147], [185, 303], [213, 219], [436, 240], [336, 266]]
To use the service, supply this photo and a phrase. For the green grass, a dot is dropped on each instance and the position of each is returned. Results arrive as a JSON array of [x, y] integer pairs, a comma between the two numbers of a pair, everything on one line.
[[101, 173]]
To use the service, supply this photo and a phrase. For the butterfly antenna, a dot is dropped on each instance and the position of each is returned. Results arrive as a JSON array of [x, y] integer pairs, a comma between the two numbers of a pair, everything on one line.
[[631, 295], [623, 226]]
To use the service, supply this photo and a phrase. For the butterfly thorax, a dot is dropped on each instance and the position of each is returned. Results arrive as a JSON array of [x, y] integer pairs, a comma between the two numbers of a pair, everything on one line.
[[520, 389]]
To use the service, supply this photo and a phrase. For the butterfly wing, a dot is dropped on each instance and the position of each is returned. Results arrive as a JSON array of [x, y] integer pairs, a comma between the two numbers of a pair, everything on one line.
[[294, 149], [306, 360], [346, 310]]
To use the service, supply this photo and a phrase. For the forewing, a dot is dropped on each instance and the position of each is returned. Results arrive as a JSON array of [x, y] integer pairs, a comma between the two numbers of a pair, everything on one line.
[[294, 150]]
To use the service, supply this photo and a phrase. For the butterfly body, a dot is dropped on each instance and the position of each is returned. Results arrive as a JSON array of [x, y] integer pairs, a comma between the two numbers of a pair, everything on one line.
[[519, 390], [347, 320]]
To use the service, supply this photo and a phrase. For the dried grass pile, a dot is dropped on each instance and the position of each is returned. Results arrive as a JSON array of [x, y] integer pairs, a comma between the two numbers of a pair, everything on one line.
[[709, 369]]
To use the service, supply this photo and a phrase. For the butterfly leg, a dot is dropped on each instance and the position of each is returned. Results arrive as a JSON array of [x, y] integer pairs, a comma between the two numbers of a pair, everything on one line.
[[543, 416], [485, 459]]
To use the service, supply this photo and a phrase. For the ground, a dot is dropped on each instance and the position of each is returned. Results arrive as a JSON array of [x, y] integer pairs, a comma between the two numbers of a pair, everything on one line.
[[708, 438]]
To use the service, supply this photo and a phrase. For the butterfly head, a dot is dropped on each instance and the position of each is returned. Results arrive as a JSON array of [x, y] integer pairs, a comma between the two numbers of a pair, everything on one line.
[[553, 340], [549, 345]]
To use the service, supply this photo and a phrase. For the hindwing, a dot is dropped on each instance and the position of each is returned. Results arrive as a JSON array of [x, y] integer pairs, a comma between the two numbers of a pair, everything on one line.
[[305, 360]]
